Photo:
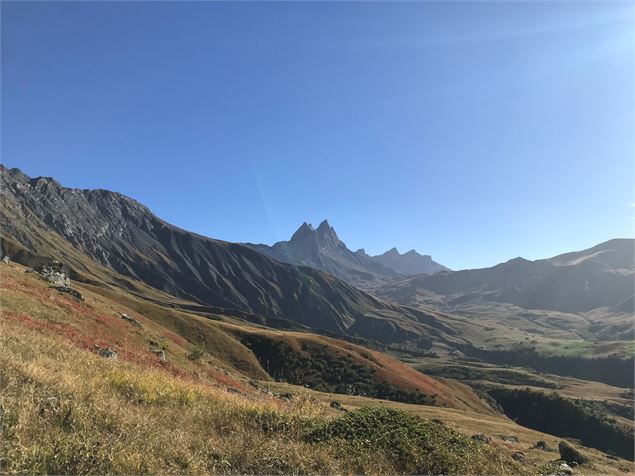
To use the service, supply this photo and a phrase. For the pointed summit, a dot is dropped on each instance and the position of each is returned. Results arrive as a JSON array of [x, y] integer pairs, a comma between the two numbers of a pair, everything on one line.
[[327, 237], [324, 229], [306, 230], [324, 225], [362, 252]]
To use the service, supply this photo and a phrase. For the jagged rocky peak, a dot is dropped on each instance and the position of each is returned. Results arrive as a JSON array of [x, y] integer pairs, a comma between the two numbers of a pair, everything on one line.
[[362, 252], [325, 227], [327, 237], [324, 235], [305, 230], [15, 173], [414, 252], [322, 249]]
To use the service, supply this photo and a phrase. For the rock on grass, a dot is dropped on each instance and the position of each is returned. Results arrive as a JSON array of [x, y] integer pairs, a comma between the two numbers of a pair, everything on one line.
[[571, 455]]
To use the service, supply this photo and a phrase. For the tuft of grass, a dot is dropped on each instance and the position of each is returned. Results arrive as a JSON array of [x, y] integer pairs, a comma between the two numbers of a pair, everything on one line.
[[151, 388], [196, 354]]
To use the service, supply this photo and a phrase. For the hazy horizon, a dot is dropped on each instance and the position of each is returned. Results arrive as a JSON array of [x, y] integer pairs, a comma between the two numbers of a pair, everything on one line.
[[473, 133]]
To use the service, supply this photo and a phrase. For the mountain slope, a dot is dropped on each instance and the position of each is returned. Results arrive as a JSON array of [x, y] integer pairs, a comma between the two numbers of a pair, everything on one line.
[[322, 249], [70, 409], [194, 345], [409, 263], [601, 276], [44, 218]]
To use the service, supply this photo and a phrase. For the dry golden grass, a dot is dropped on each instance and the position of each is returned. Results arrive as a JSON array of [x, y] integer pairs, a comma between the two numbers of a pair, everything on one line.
[[65, 410], [68, 411]]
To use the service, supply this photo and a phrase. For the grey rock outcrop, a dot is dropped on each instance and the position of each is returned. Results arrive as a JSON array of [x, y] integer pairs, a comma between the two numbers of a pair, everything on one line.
[[130, 319], [542, 445], [509, 438], [338, 406], [55, 273], [106, 352]]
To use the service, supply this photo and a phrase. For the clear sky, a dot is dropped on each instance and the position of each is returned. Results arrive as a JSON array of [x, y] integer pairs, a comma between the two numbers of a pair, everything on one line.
[[472, 131]]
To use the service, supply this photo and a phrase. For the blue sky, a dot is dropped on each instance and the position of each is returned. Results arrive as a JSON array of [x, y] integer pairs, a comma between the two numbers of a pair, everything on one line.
[[472, 131]]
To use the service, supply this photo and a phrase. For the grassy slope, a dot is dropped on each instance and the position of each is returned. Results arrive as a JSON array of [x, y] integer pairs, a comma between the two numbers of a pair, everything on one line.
[[140, 414], [384, 367], [218, 345], [103, 415]]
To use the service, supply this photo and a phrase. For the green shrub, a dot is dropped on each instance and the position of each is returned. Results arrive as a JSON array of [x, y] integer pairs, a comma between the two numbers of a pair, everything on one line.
[[411, 443]]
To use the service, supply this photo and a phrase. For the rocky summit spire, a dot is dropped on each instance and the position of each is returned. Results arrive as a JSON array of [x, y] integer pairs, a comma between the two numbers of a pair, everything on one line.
[[327, 238], [305, 231], [326, 229]]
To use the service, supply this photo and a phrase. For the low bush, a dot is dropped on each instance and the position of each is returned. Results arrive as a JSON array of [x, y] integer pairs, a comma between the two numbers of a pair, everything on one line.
[[416, 445]]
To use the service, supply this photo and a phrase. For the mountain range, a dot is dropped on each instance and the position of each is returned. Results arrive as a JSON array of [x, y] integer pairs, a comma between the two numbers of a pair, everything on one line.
[[322, 249], [41, 218], [574, 282], [105, 236], [407, 264]]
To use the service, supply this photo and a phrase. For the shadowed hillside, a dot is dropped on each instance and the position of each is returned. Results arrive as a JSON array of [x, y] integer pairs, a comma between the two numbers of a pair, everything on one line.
[[123, 235]]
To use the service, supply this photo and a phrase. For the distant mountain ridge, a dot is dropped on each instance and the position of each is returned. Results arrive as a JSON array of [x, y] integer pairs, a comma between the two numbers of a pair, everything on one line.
[[322, 249], [601, 276], [409, 263]]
